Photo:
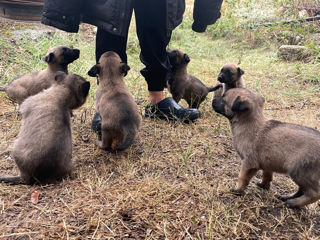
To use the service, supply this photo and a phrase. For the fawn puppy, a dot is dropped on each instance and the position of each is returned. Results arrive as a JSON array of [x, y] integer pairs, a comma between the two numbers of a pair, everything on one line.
[[271, 146], [183, 85], [120, 118], [43, 149], [230, 76], [30, 84]]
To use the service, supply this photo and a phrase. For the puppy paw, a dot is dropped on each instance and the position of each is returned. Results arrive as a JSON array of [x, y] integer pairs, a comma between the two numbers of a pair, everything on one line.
[[282, 198], [237, 192], [99, 144], [263, 186], [291, 203]]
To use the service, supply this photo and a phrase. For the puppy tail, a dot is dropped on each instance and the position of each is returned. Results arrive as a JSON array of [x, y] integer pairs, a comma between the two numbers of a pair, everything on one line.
[[128, 139], [12, 180], [215, 88]]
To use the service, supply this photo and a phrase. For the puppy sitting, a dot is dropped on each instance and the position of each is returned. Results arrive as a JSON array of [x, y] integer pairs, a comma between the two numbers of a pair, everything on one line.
[[120, 118], [271, 146], [43, 149], [183, 85], [30, 84], [229, 77]]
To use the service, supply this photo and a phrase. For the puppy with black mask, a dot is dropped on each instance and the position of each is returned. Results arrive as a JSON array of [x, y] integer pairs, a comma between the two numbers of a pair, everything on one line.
[[182, 85], [57, 59], [120, 118], [43, 149], [271, 146], [230, 76]]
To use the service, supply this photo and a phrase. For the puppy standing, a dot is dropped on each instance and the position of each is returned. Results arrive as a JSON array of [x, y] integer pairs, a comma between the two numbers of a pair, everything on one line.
[[272, 146], [119, 112], [30, 84], [43, 149], [183, 85], [229, 77]]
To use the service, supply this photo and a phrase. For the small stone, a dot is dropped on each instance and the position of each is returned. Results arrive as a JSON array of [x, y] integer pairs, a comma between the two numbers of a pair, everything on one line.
[[85, 138], [303, 14], [294, 53]]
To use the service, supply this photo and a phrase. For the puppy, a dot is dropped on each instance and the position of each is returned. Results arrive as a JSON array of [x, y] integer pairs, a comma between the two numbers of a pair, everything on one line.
[[229, 77], [271, 146], [30, 84], [120, 118], [183, 85], [43, 148]]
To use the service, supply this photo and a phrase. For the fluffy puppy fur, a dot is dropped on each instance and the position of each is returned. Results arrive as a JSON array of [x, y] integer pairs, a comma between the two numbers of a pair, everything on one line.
[[271, 146], [230, 76], [120, 118], [30, 84], [183, 85], [43, 149]]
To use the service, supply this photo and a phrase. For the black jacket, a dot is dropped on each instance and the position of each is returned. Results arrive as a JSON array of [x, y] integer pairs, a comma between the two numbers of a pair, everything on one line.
[[114, 15]]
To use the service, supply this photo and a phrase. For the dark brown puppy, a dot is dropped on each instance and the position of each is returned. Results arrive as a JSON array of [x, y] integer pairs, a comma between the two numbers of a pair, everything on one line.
[[271, 146], [30, 84], [119, 112], [183, 85], [229, 77], [43, 149]]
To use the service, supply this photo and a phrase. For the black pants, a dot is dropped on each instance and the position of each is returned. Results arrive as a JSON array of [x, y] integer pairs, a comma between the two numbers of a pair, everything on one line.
[[153, 38]]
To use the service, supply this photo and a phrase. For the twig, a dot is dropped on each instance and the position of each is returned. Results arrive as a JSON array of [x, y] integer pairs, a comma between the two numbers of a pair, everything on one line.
[[268, 24]]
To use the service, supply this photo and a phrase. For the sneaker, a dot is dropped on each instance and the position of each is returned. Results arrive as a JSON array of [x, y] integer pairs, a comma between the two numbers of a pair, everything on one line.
[[168, 109]]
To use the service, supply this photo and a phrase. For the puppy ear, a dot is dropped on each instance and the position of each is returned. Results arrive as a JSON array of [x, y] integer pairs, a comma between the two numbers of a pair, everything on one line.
[[186, 58], [94, 71], [49, 58], [239, 106], [59, 76], [85, 88], [240, 71], [124, 69]]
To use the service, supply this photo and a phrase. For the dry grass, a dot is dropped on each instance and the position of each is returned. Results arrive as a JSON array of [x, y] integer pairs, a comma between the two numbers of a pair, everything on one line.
[[174, 181]]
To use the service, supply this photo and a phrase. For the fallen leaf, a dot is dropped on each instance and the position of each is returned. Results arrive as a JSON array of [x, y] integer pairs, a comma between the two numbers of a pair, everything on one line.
[[35, 197]]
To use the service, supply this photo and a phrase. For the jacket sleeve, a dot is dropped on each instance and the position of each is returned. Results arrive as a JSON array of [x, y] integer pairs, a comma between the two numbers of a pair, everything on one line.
[[62, 14], [205, 12]]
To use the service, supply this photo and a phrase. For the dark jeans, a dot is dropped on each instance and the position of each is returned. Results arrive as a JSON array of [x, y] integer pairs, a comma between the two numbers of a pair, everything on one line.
[[153, 38]]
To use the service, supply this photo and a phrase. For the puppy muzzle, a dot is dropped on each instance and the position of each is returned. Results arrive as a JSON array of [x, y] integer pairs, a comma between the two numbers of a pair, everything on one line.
[[218, 105], [71, 55], [221, 78]]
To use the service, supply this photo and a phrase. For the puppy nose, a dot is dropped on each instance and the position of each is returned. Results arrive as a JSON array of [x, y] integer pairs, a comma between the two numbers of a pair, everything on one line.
[[76, 51], [214, 102], [219, 77]]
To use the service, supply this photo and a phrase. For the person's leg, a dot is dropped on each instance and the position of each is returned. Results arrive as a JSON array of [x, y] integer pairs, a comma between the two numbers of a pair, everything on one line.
[[106, 41], [155, 96], [154, 37]]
